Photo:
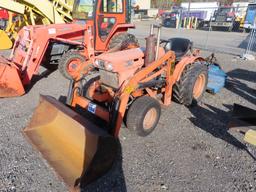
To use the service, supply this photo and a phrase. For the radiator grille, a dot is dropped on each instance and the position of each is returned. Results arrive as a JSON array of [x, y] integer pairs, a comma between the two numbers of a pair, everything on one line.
[[109, 78], [221, 18]]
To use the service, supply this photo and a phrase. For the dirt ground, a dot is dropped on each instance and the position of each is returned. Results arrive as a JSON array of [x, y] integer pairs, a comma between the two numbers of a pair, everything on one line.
[[191, 149]]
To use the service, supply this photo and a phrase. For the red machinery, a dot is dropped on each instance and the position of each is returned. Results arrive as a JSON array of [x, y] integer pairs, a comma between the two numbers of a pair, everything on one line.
[[4, 16], [128, 85], [45, 45]]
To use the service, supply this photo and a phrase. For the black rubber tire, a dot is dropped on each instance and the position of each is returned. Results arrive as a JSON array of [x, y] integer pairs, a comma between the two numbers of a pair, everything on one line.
[[137, 112], [183, 89], [121, 40], [65, 60], [89, 80], [247, 30]]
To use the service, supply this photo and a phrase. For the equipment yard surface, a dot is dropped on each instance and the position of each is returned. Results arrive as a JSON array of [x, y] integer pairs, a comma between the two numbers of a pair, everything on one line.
[[191, 149]]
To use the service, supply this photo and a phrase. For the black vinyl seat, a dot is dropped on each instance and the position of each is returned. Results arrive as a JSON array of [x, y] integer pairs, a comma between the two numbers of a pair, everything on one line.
[[179, 45]]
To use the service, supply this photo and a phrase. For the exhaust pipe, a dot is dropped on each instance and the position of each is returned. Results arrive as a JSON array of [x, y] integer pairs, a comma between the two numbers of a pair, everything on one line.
[[152, 45]]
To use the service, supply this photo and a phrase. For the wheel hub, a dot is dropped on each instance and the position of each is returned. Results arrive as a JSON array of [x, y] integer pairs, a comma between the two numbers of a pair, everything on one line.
[[74, 68], [199, 86], [150, 119]]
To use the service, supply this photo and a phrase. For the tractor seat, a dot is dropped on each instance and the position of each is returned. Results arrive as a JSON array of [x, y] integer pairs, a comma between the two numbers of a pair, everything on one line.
[[179, 45]]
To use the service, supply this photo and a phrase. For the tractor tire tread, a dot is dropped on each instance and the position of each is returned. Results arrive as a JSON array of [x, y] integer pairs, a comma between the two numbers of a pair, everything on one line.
[[64, 60], [183, 89], [119, 38], [137, 112]]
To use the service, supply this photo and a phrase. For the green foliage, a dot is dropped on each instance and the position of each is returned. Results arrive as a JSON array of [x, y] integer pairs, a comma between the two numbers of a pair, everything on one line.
[[164, 4]]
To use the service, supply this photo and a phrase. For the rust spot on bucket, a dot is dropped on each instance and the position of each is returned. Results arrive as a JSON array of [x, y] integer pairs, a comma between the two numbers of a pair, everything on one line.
[[6, 91]]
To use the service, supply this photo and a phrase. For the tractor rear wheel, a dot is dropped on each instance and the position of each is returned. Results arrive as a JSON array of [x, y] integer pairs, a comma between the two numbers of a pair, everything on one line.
[[190, 88], [71, 63], [123, 41], [143, 115]]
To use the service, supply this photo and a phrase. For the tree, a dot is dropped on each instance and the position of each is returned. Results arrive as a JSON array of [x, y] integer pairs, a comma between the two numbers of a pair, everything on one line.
[[164, 4], [226, 2]]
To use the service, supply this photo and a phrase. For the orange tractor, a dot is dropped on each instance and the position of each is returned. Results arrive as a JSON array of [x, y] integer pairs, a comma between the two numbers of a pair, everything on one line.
[[53, 44], [79, 139]]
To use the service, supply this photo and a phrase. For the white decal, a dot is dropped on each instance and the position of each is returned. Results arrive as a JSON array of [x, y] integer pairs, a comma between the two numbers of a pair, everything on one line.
[[92, 108], [52, 31]]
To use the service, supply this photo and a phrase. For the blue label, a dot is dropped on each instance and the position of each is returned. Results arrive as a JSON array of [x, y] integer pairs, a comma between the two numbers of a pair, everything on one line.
[[92, 108]]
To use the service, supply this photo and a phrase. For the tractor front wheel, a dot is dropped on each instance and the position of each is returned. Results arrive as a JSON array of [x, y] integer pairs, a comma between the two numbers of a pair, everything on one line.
[[190, 88], [71, 64], [143, 115]]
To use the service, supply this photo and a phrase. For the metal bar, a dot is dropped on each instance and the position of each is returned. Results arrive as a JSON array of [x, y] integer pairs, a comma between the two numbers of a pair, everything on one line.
[[158, 42], [12, 6], [154, 75], [84, 103]]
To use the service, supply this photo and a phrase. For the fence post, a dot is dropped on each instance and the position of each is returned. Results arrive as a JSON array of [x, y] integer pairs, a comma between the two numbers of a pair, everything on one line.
[[185, 21], [250, 46], [196, 20], [189, 22], [177, 23]]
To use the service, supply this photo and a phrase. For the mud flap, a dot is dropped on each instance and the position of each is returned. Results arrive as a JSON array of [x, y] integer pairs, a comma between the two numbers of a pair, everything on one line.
[[6, 42], [78, 150], [10, 82]]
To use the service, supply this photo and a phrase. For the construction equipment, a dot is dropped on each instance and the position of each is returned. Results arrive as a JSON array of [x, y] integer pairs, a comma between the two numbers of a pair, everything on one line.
[[4, 16], [34, 12], [244, 121], [45, 45], [128, 85], [224, 18]]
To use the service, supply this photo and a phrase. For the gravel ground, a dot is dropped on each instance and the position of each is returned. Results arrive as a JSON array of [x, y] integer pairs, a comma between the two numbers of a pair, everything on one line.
[[191, 149]]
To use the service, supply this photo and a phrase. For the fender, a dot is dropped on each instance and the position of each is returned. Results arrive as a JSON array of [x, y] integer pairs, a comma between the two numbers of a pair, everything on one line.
[[121, 28], [182, 64]]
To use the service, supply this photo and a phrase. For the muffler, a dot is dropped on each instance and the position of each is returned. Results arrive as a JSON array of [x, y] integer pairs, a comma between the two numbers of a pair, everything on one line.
[[10, 81], [78, 150]]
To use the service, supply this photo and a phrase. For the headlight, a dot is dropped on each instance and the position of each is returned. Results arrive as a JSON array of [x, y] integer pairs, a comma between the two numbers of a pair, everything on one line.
[[213, 18], [229, 19], [109, 66], [99, 63]]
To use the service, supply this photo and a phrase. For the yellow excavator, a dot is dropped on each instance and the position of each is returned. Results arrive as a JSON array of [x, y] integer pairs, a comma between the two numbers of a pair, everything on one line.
[[32, 12]]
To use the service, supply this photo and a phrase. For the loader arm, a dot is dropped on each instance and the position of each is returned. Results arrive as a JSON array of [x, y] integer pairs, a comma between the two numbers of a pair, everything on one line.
[[36, 40], [33, 45], [125, 91]]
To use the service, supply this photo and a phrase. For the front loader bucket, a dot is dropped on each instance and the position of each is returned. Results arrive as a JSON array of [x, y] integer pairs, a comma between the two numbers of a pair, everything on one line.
[[242, 117], [6, 42], [78, 150], [244, 121], [10, 82]]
